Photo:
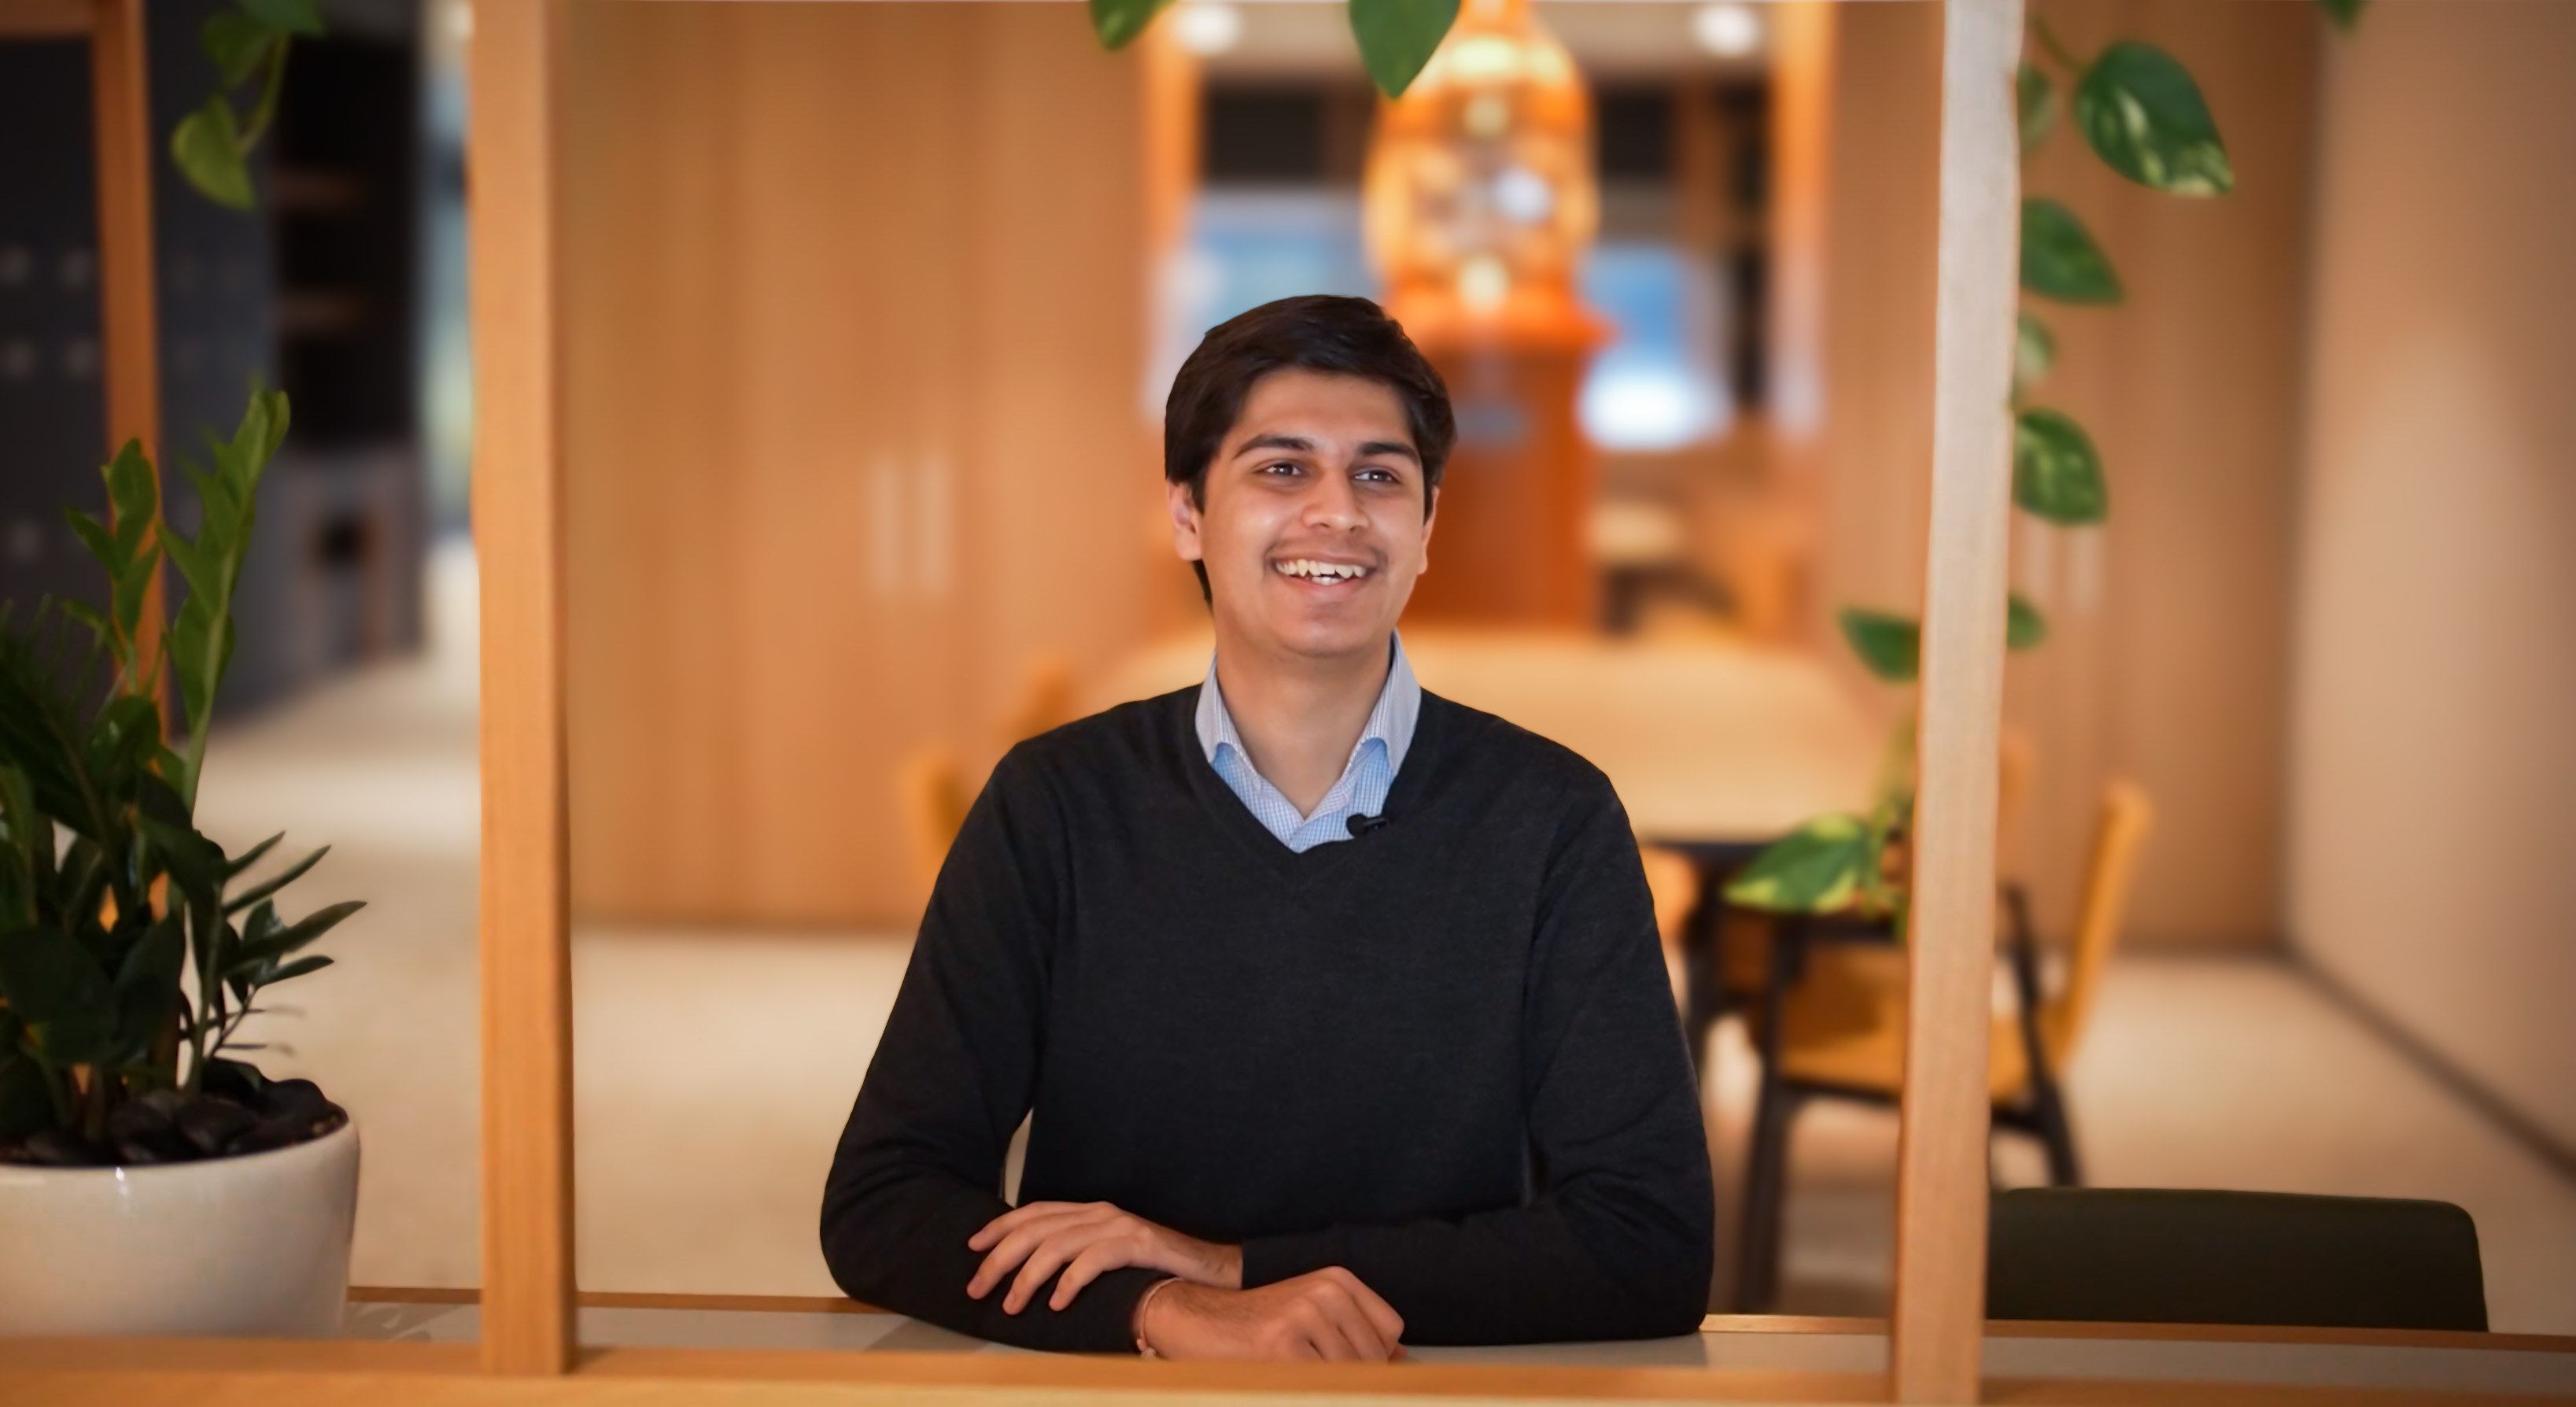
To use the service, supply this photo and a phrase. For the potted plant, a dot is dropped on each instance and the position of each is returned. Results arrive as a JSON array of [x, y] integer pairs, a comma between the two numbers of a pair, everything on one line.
[[151, 1180]]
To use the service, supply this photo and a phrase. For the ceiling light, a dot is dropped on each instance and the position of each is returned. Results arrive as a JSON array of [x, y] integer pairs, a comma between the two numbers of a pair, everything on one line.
[[1206, 28], [1730, 31]]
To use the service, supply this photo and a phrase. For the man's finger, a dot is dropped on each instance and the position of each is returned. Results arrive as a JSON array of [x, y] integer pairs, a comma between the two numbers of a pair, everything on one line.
[[1016, 1246], [1015, 1218], [1050, 1256], [1389, 1324], [1008, 1256], [1096, 1259], [1342, 1311]]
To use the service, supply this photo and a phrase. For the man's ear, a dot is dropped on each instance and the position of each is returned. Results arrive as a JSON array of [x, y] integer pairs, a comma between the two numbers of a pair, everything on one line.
[[1184, 509], [1430, 520]]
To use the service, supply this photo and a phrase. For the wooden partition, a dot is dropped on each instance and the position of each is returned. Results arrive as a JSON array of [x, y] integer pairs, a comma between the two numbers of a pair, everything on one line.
[[529, 1323]]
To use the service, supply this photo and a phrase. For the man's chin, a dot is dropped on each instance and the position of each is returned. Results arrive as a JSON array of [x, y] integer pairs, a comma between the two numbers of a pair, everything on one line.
[[1321, 636]]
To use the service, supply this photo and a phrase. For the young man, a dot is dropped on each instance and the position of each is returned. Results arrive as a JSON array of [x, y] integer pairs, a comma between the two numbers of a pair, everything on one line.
[[1337, 1006]]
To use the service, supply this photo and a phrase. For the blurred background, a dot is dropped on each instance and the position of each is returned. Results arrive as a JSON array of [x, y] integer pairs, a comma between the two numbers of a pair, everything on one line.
[[871, 309]]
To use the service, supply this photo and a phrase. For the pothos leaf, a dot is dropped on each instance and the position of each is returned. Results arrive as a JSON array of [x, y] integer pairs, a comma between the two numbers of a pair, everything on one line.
[[2057, 474], [1397, 37], [2034, 352], [2035, 103], [236, 43], [2059, 258], [1118, 22], [285, 16], [2144, 115], [2024, 626], [1819, 867], [1891, 646], [2346, 14], [207, 148]]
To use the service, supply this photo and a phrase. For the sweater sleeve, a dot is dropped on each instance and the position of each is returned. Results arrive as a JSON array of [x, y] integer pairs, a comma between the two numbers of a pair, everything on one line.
[[1616, 1238], [920, 1163]]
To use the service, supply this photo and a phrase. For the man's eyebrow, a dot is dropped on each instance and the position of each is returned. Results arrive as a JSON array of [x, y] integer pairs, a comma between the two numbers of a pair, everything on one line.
[[1296, 444]]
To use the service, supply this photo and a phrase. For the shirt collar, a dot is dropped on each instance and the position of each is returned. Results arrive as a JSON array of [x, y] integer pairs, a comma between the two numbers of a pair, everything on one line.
[[1399, 705]]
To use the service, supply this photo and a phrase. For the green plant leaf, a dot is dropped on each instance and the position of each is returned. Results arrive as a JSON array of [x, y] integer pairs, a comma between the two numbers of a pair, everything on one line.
[[254, 951], [2346, 14], [207, 148], [270, 886], [131, 588], [95, 536], [285, 16], [55, 986], [2035, 101], [86, 616], [2034, 352], [2144, 115], [310, 962], [1118, 22], [1397, 37], [133, 490], [1891, 646], [147, 984], [1819, 867], [2024, 626], [236, 43], [234, 866], [2059, 258], [2057, 474]]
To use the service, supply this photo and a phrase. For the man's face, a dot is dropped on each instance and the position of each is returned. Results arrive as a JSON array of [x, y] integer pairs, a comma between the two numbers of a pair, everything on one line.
[[1314, 529]]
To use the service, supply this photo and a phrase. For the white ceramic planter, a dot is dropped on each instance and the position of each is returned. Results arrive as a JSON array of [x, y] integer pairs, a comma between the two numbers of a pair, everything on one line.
[[255, 1246]]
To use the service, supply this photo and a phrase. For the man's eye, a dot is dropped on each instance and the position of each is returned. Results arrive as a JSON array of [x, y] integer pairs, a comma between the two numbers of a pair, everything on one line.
[[1382, 476], [1281, 467]]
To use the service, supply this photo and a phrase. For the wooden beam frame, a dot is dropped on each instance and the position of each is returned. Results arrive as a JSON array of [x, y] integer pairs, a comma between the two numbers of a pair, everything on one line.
[[1941, 1159], [129, 331], [529, 1323]]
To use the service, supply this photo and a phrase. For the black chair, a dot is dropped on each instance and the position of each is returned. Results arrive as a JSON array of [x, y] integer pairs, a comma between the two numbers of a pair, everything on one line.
[[2148, 1256]]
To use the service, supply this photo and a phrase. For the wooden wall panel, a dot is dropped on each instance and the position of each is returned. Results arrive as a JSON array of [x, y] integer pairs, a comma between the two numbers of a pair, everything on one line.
[[857, 312]]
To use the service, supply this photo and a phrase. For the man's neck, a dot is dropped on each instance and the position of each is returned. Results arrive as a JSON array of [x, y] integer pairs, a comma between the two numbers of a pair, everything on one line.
[[1299, 716]]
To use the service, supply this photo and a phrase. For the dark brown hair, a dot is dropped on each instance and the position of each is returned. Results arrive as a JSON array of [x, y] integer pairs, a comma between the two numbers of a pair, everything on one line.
[[1316, 332]]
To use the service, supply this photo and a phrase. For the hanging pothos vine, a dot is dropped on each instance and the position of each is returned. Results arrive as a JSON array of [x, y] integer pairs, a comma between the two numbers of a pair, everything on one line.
[[2141, 112], [212, 145]]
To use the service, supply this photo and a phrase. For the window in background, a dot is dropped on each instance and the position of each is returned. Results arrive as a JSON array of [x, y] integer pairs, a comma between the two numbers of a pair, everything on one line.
[[1277, 212], [1678, 271]]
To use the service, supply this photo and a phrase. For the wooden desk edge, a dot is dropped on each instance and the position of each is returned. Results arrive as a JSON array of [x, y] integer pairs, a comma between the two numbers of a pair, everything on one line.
[[1712, 1324], [191, 1373]]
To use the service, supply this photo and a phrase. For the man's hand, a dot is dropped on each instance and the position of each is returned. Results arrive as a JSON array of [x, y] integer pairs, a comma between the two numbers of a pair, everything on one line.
[[1326, 1313], [1085, 1239]]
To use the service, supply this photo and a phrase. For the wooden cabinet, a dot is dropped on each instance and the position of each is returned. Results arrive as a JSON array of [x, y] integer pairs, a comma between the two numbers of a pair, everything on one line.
[[854, 307]]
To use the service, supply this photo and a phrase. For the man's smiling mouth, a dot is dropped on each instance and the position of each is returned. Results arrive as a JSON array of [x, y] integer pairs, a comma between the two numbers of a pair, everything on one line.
[[1319, 571]]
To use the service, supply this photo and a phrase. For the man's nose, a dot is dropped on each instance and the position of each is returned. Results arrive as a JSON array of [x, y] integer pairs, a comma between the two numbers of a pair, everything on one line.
[[1334, 504]]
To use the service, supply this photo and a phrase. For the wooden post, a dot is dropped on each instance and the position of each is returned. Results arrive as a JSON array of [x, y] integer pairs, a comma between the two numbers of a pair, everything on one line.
[[1941, 1161], [121, 132], [528, 1314]]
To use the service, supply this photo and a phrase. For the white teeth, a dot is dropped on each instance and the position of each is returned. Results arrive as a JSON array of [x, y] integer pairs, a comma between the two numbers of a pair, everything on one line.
[[1323, 571]]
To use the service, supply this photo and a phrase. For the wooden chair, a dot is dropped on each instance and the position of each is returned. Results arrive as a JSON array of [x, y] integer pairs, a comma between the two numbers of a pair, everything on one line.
[[1836, 1029]]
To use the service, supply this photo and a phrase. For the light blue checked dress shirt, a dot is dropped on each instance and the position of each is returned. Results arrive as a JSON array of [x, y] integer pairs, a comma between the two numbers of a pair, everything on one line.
[[1365, 778]]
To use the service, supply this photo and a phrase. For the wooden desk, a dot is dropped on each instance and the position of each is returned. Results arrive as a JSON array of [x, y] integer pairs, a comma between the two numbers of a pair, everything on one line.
[[1706, 742], [412, 1346]]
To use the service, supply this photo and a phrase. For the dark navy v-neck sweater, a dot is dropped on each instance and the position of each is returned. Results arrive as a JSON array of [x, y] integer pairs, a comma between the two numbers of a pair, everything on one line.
[[1442, 1055]]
